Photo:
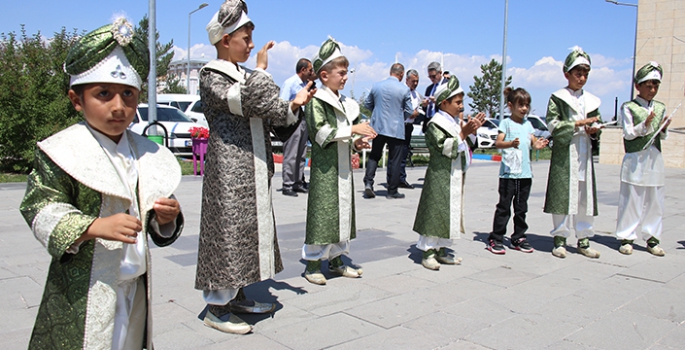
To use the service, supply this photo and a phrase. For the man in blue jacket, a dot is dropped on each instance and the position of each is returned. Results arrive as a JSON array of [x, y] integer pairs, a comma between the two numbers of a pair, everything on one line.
[[390, 103]]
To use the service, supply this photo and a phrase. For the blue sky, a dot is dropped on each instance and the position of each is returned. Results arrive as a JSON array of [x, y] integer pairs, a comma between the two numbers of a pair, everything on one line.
[[465, 33]]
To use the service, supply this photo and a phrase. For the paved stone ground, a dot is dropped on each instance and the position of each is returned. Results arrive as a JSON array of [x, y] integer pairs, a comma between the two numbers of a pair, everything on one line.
[[514, 301]]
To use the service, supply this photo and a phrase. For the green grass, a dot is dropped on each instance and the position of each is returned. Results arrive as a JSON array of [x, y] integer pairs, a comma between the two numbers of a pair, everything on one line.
[[4, 178]]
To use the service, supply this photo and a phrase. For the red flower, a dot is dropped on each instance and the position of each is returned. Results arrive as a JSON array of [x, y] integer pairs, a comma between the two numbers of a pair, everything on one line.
[[199, 132]]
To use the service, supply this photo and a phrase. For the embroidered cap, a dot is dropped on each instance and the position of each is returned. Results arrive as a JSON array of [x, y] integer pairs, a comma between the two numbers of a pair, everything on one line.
[[231, 16], [110, 54], [329, 51], [650, 71], [576, 57], [447, 90]]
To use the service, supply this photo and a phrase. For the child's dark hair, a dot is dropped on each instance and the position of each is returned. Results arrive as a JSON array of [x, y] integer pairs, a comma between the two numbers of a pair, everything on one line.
[[518, 96]]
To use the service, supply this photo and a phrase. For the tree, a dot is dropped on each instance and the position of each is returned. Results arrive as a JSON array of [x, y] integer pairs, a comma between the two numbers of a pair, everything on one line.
[[164, 53], [173, 85], [33, 94], [485, 91]]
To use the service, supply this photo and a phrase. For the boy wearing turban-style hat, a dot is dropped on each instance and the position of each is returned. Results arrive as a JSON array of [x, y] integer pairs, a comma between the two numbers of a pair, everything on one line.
[[238, 244], [641, 199], [334, 126], [573, 119], [95, 216], [440, 215]]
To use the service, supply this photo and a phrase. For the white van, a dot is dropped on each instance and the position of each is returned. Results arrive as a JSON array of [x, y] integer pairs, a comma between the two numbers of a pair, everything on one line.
[[191, 105]]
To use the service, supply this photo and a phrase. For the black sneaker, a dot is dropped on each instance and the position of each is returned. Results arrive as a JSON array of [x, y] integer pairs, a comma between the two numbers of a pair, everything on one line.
[[496, 247], [523, 246]]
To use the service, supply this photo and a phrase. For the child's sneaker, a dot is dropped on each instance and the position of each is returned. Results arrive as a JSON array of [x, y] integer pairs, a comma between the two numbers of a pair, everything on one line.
[[522, 245], [626, 247], [653, 247], [559, 250], [584, 248], [496, 247]]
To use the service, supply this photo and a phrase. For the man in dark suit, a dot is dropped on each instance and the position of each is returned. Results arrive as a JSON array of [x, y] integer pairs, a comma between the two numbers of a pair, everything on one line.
[[435, 76]]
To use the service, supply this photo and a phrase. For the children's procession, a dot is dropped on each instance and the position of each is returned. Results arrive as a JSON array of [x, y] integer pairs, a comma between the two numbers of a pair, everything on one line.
[[97, 218]]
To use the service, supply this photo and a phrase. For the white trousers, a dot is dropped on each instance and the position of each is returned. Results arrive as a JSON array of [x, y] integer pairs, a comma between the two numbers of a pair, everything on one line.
[[426, 243], [640, 210], [314, 252], [219, 297], [580, 222], [131, 315]]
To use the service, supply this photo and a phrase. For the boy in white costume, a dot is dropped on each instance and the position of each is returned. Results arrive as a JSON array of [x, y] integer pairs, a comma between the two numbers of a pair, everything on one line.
[[641, 200]]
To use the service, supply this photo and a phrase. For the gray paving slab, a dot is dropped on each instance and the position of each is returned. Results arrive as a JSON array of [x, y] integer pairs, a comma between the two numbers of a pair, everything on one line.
[[532, 301]]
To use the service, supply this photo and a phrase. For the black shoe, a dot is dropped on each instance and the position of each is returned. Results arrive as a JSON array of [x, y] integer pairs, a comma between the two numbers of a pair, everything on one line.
[[289, 192], [405, 184], [523, 246], [300, 189], [395, 195], [305, 185], [496, 247], [368, 192]]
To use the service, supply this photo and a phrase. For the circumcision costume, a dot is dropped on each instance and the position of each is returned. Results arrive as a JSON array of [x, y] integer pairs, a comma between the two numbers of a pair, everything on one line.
[[571, 195], [238, 244], [98, 292], [440, 214], [641, 199]]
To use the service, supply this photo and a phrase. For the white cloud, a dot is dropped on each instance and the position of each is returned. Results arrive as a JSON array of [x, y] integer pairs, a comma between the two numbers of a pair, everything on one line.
[[610, 77]]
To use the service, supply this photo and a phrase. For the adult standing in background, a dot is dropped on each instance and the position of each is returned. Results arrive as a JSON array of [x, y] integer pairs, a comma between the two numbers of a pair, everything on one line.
[[390, 103], [295, 148], [412, 81], [436, 78]]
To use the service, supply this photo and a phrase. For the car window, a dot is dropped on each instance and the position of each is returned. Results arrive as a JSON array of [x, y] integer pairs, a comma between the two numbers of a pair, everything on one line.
[[182, 105], [537, 124], [165, 115], [489, 124], [198, 107]]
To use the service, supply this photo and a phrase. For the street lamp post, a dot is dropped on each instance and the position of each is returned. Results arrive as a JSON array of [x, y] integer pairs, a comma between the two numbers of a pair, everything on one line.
[[632, 86], [504, 61], [204, 4]]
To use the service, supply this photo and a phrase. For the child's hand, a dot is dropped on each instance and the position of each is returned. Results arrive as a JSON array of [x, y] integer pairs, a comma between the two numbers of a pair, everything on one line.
[[540, 143], [591, 130], [649, 119], [473, 124], [515, 143], [118, 227], [303, 97], [364, 129], [666, 122], [263, 55], [362, 143], [166, 209]]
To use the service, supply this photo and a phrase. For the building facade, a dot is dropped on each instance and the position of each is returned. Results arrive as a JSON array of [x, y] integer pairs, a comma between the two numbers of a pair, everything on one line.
[[179, 68], [660, 38]]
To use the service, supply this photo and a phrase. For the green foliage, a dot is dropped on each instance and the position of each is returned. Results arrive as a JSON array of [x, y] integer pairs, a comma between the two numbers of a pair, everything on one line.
[[33, 99], [173, 85], [485, 91], [363, 110], [164, 53]]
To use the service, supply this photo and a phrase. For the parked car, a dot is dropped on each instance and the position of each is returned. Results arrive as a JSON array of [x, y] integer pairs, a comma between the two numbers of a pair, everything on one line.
[[175, 122], [486, 135], [191, 105]]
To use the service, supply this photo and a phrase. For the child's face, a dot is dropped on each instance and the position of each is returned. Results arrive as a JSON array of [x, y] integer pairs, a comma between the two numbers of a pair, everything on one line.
[[335, 79], [648, 89], [577, 77], [107, 108], [453, 107], [518, 110], [239, 44]]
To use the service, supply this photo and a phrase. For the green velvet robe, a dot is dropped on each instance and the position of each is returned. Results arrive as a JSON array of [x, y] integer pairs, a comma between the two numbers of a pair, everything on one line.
[[73, 183], [330, 206], [441, 207], [562, 182]]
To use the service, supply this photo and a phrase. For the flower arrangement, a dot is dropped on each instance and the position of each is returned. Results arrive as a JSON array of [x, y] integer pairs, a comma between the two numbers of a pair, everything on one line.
[[199, 132]]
